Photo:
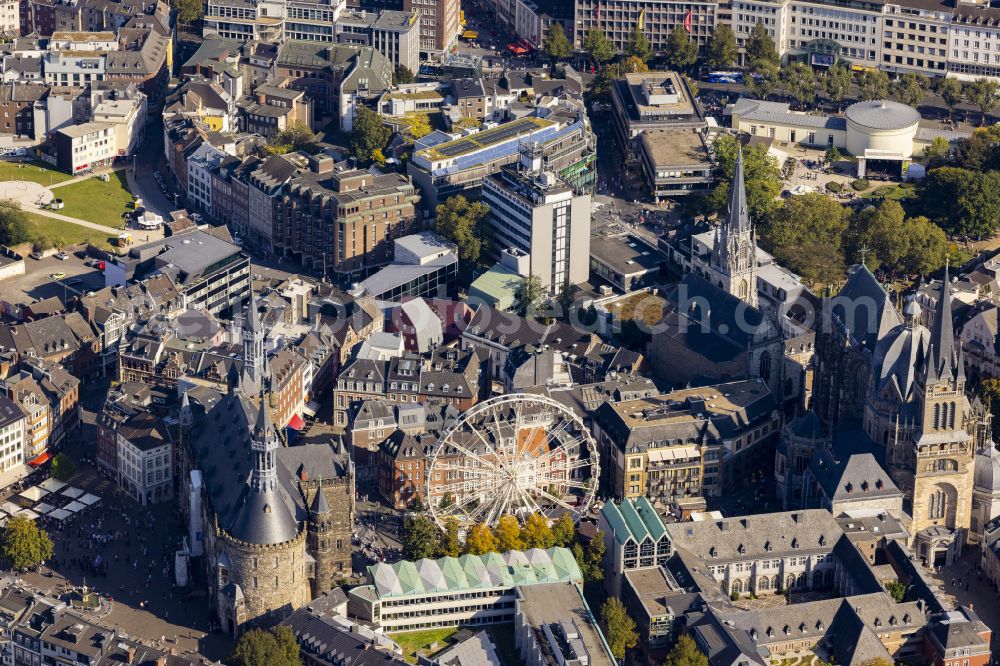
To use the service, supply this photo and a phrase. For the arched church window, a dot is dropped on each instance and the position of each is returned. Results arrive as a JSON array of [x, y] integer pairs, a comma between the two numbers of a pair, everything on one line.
[[951, 417], [765, 366], [937, 417], [936, 506]]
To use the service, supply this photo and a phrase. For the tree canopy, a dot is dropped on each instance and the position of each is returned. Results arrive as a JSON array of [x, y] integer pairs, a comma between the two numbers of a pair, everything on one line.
[[463, 222], [451, 545], [721, 51], [480, 540], [536, 532], [898, 245], [14, 228], [258, 647], [528, 296], [402, 74], [368, 136], [984, 93], [638, 45], [619, 628], [762, 177], [508, 534], [25, 545], [799, 79], [681, 51], [62, 467], [760, 50], [873, 84], [556, 44], [806, 235], [909, 89], [563, 531], [296, 136], [420, 538], [837, 83], [597, 44], [189, 11], [685, 653], [962, 201], [950, 91]]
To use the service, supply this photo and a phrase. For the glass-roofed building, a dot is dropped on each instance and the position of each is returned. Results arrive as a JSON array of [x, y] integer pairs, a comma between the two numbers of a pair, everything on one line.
[[452, 591]]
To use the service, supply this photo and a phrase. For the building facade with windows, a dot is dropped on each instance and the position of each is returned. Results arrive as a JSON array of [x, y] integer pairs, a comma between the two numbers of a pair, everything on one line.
[[538, 213], [145, 459], [469, 590]]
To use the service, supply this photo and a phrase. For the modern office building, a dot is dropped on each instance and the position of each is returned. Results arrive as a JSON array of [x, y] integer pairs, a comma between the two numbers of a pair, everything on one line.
[[538, 213], [469, 590], [443, 166], [210, 272], [657, 18], [425, 265], [675, 163], [657, 101], [85, 147], [396, 35]]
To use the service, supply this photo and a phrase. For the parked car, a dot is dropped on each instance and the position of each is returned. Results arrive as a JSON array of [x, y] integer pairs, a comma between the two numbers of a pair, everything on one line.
[[57, 276], [62, 256], [36, 255]]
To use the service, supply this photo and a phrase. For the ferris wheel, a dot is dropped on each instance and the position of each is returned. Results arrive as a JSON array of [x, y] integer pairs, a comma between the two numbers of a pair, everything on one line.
[[512, 454]]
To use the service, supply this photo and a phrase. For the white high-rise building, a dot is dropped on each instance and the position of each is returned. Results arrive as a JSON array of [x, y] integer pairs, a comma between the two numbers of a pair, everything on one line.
[[534, 211]]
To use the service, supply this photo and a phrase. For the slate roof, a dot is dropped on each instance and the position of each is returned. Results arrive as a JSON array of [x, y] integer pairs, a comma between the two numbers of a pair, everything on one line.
[[222, 453], [144, 431], [722, 334], [770, 535], [863, 308], [852, 478]]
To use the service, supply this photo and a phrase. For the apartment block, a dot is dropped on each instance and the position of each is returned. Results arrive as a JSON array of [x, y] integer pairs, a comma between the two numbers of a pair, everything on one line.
[[343, 220], [439, 26]]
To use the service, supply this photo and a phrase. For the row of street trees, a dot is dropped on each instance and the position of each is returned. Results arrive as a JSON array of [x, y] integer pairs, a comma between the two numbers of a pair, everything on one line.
[[422, 539]]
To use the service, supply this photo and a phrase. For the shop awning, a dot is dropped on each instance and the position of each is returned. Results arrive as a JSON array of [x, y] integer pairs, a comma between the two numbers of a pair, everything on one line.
[[40, 460], [296, 423]]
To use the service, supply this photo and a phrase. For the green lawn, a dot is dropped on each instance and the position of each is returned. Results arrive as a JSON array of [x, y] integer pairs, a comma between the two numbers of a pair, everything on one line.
[[96, 201], [36, 172], [66, 233], [413, 642], [895, 192]]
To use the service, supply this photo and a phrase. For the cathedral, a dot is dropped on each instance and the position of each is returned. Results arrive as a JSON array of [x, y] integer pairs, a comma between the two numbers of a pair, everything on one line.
[[713, 328], [273, 521], [902, 386]]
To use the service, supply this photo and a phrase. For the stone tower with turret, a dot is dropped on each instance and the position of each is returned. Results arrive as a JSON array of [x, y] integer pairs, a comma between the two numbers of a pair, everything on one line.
[[734, 257]]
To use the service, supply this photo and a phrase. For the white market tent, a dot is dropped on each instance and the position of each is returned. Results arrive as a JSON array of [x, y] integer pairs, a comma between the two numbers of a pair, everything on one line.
[[72, 492], [9, 508], [73, 507], [60, 514], [27, 513], [90, 499], [42, 508], [52, 485], [34, 493]]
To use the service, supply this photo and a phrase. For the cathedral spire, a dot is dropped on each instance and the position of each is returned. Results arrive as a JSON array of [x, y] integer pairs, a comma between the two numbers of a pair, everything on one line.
[[734, 258], [945, 358], [738, 217]]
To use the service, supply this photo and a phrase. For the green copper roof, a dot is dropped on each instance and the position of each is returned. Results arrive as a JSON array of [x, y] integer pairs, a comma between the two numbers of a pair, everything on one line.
[[493, 570], [633, 518]]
